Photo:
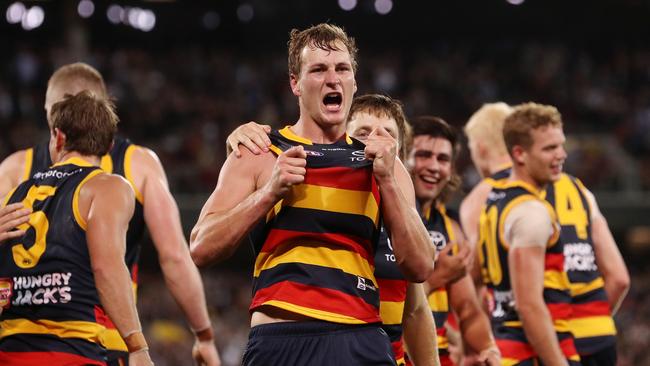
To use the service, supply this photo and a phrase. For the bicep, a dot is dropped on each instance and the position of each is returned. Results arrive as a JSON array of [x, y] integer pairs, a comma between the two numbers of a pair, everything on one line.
[[528, 225], [526, 271], [470, 210]]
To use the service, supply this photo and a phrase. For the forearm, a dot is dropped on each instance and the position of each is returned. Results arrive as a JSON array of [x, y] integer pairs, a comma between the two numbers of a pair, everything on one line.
[[184, 283], [420, 337], [411, 243], [116, 294], [616, 292], [538, 326], [217, 235], [475, 327]]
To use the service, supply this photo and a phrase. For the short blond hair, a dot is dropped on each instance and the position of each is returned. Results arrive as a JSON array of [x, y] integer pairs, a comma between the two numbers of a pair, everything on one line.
[[79, 74], [525, 118], [486, 125]]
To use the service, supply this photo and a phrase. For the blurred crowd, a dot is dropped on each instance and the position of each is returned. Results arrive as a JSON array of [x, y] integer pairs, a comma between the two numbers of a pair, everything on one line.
[[183, 101]]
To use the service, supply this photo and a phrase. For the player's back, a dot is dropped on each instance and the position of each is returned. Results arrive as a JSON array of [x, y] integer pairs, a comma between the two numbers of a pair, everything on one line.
[[50, 302]]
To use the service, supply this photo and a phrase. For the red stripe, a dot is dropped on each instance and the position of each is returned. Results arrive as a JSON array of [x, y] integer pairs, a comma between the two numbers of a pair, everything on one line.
[[134, 273], [340, 177], [45, 358], [568, 347], [392, 290], [102, 318], [441, 331], [560, 311], [554, 262], [445, 360], [317, 298], [277, 237], [452, 321], [517, 350], [594, 308], [398, 349]]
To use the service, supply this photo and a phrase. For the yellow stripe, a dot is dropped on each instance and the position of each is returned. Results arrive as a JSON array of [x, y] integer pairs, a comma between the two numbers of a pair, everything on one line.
[[75, 199], [127, 172], [274, 211], [556, 280], [287, 133], [348, 139], [438, 301], [443, 342], [334, 200], [592, 326], [29, 159], [578, 289], [341, 259], [559, 325], [391, 312], [112, 340], [107, 164], [66, 329], [275, 149], [314, 313], [509, 361], [575, 358], [6, 198]]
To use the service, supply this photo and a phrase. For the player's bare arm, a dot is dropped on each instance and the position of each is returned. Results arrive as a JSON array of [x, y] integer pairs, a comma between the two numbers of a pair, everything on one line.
[[608, 257], [181, 275], [470, 211], [12, 171], [449, 268], [419, 327], [107, 202], [247, 189], [414, 251]]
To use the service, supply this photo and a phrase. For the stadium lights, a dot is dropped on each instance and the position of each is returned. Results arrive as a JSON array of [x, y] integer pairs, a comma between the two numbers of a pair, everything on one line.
[[114, 13], [383, 7], [348, 5], [15, 12], [142, 19], [245, 13], [86, 8], [515, 2], [33, 18]]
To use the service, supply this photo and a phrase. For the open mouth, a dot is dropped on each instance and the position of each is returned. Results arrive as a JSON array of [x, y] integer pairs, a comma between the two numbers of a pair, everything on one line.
[[429, 179], [332, 101]]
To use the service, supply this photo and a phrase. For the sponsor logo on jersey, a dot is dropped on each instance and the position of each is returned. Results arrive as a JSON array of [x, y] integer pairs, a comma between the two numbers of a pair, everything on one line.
[[6, 290]]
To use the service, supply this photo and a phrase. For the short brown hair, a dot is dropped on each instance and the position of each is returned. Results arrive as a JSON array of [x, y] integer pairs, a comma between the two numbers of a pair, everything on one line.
[[88, 122], [438, 127], [525, 118], [323, 36], [383, 106], [81, 74]]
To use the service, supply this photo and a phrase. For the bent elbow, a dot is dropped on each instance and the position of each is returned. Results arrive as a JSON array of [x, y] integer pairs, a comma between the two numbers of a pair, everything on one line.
[[622, 283], [418, 272]]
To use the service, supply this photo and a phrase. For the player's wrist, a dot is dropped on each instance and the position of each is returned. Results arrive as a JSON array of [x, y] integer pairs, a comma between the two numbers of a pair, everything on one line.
[[135, 342], [204, 335]]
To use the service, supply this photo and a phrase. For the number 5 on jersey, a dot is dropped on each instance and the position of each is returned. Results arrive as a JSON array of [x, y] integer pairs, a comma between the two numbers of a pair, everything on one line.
[[28, 258]]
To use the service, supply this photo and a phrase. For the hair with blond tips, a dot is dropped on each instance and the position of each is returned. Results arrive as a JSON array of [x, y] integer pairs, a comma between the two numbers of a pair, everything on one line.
[[486, 125], [323, 36], [525, 118], [89, 123], [384, 106], [81, 74]]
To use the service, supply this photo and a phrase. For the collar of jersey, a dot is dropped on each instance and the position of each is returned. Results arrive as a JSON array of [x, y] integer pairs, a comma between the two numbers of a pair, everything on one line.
[[288, 134], [75, 160], [520, 183]]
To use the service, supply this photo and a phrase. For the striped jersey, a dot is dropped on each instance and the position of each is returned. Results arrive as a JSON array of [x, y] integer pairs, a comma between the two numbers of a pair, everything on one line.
[[392, 294], [439, 225], [315, 248], [493, 251], [51, 311], [117, 161], [591, 323]]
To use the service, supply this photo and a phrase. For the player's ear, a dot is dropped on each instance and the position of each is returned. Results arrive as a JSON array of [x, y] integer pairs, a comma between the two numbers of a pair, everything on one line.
[[294, 81]]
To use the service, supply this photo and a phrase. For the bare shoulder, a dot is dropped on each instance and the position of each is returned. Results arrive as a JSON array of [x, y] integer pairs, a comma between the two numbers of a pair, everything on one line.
[[144, 157], [256, 167], [476, 197], [14, 165], [106, 185]]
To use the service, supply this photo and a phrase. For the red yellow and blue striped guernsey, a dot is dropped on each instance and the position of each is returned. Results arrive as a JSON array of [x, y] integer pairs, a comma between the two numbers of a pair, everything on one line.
[[315, 248], [591, 322], [493, 255]]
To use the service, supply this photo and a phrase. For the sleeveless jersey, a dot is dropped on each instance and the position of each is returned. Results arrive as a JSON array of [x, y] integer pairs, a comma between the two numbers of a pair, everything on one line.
[[440, 228], [591, 323], [50, 305], [117, 161], [392, 294], [493, 250], [315, 248]]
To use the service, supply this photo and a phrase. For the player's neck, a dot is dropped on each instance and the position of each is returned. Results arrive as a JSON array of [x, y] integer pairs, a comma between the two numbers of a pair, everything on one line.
[[318, 133], [520, 174], [67, 155], [499, 163]]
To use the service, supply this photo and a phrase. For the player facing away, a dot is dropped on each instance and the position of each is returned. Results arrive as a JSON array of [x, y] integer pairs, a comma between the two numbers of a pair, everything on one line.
[[313, 207], [63, 277]]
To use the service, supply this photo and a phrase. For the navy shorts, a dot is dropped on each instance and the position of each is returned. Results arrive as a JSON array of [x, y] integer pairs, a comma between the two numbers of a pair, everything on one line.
[[317, 343], [605, 357]]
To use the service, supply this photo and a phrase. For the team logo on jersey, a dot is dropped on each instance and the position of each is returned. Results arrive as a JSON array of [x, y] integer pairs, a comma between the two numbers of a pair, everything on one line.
[[438, 240], [313, 153], [5, 292]]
